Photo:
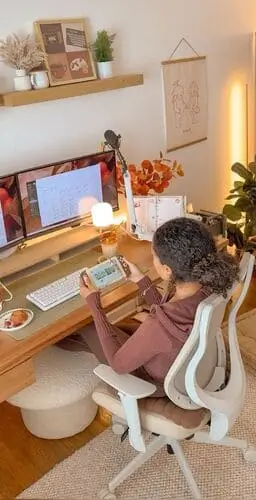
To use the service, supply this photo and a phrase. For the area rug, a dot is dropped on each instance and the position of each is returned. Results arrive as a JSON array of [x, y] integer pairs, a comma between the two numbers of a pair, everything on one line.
[[246, 331], [220, 472]]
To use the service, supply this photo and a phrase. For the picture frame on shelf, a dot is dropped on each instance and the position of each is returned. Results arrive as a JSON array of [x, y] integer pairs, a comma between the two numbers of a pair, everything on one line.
[[68, 56]]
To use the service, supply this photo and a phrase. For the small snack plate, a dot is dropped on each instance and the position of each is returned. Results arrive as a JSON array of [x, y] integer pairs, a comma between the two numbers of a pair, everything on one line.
[[7, 317]]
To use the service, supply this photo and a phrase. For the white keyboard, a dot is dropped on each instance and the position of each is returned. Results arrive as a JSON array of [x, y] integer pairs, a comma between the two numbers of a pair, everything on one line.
[[58, 291]]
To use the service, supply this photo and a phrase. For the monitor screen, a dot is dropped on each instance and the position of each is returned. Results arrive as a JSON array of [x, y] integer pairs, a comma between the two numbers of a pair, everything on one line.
[[11, 228], [59, 194]]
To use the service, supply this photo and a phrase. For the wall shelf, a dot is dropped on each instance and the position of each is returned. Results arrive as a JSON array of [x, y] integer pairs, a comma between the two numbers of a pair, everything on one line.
[[12, 99]]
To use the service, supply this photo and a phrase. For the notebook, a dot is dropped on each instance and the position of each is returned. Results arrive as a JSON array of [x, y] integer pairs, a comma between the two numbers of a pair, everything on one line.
[[152, 211]]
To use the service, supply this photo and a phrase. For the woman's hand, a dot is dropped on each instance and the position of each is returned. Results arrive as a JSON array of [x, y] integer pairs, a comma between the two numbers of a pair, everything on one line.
[[86, 286], [135, 274]]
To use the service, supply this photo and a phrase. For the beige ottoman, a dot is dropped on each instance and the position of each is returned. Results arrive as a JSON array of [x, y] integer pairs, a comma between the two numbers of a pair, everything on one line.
[[59, 404]]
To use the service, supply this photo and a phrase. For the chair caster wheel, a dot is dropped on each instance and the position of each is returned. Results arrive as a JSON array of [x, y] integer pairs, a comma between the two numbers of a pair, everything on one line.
[[106, 495], [250, 454]]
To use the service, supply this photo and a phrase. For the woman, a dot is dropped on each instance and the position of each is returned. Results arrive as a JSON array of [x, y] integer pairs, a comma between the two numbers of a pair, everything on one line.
[[184, 253]]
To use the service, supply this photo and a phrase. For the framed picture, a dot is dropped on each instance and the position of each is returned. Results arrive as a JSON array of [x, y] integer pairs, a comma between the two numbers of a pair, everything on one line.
[[185, 101], [68, 59]]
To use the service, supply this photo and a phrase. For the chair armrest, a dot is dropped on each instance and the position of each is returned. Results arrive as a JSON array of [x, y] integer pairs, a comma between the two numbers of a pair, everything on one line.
[[126, 384], [130, 389]]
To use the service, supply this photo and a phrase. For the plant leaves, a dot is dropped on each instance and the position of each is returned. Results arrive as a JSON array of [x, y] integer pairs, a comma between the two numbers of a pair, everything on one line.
[[248, 230], [252, 167], [244, 204], [238, 184], [232, 213], [233, 196], [242, 171]]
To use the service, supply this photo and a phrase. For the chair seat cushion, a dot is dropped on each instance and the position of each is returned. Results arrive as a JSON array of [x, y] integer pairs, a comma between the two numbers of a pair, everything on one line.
[[158, 415], [62, 378]]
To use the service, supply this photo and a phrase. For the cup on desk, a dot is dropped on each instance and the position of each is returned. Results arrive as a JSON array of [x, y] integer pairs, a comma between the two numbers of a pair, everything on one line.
[[109, 244]]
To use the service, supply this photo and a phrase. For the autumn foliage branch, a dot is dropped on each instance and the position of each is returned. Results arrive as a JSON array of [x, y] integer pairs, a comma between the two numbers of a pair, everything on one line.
[[150, 177]]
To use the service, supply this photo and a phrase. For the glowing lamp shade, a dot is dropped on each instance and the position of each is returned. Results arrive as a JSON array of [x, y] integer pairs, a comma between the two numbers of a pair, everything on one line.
[[102, 215]]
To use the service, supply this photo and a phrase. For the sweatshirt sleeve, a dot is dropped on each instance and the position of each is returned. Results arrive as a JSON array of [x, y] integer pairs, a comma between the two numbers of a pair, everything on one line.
[[149, 291], [142, 346]]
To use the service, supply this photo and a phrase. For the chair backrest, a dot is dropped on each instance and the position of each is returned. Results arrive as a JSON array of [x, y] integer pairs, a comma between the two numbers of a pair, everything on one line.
[[211, 370], [196, 378]]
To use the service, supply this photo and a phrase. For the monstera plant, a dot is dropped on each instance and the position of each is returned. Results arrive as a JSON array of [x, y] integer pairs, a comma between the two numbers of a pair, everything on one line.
[[241, 210]]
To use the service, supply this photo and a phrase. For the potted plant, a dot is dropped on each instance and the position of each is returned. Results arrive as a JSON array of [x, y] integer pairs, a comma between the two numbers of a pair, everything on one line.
[[103, 52], [241, 214], [23, 54]]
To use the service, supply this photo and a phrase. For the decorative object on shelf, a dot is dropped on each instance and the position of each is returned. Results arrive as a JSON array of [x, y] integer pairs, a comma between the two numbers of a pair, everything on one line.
[[21, 80], [67, 54], [150, 177], [242, 214], [185, 97], [24, 54], [103, 52], [39, 79]]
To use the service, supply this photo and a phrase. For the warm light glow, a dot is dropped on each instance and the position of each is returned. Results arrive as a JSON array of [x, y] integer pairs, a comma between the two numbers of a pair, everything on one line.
[[237, 126], [120, 219], [102, 215]]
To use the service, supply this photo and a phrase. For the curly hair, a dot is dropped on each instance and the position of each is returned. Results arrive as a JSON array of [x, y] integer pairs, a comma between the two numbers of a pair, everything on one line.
[[189, 250]]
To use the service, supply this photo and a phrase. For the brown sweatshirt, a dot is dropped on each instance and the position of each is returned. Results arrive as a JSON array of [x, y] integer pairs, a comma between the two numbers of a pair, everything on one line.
[[151, 350]]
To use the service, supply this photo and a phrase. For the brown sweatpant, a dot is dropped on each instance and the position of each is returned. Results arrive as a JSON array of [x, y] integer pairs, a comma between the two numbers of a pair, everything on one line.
[[87, 338]]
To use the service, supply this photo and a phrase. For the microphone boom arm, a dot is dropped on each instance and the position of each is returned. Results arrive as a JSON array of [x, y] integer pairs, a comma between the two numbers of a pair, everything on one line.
[[113, 141]]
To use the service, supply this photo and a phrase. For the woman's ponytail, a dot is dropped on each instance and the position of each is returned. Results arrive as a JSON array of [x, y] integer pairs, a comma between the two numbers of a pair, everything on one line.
[[216, 273]]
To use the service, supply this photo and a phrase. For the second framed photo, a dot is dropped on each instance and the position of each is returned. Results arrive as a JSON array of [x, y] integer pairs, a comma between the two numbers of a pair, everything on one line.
[[68, 56]]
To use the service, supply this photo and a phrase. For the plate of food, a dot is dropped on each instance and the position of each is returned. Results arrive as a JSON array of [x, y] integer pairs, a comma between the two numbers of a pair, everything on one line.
[[15, 319]]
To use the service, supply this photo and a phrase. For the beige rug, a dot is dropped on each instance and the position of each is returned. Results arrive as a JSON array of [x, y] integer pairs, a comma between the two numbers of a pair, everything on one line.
[[219, 472], [246, 330]]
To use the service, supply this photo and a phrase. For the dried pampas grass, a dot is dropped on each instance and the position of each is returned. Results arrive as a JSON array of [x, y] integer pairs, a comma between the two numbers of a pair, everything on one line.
[[21, 52]]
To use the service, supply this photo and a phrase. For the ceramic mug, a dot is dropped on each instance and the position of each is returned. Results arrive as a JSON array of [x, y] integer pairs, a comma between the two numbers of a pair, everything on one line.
[[39, 80]]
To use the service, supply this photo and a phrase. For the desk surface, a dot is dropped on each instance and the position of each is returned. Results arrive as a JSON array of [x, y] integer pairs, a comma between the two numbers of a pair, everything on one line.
[[50, 326]]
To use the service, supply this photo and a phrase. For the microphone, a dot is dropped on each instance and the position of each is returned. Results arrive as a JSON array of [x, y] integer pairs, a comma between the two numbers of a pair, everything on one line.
[[112, 139]]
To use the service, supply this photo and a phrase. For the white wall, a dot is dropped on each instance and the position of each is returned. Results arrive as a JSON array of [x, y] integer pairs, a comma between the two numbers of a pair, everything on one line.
[[147, 31]]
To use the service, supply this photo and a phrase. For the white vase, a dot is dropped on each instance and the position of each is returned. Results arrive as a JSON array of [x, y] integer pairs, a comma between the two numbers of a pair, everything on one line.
[[105, 69], [39, 80], [22, 80]]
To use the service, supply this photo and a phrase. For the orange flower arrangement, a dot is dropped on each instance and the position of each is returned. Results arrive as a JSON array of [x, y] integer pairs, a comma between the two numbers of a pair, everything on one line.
[[151, 176]]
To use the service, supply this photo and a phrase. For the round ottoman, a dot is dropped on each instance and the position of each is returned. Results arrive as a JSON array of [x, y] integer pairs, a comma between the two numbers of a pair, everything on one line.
[[59, 403]]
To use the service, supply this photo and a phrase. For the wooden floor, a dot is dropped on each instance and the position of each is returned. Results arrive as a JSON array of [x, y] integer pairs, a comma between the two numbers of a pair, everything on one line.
[[24, 458]]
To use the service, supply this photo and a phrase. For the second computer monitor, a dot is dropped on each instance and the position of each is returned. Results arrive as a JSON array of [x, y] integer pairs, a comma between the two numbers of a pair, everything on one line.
[[60, 194], [11, 228]]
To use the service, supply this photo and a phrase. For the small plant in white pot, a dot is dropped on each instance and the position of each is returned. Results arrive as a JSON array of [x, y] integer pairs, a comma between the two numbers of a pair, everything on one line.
[[103, 52], [23, 54]]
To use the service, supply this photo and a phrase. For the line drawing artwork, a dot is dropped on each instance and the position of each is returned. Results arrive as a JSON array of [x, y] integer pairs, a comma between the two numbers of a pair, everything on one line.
[[186, 106], [185, 103]]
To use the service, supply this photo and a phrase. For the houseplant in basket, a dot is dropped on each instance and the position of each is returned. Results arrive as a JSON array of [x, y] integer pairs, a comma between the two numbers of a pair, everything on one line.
[[103, 52], [241, 208], [24, 54]]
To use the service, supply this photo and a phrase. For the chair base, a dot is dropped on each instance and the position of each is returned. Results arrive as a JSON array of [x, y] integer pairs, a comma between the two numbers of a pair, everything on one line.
[[62, 422], [249, 453]]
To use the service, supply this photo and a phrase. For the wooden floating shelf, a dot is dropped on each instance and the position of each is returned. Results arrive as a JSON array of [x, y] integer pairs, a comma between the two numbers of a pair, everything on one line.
[[12, 99]]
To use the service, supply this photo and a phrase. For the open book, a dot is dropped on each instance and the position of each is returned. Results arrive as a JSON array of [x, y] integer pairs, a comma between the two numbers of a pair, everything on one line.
[[152, 211]]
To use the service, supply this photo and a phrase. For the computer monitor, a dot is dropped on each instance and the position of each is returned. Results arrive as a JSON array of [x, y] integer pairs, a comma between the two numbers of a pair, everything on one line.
[[63, 193], [11, 227]]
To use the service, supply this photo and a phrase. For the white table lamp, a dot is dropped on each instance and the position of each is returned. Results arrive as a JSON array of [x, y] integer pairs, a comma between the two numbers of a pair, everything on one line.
[[103, 220]]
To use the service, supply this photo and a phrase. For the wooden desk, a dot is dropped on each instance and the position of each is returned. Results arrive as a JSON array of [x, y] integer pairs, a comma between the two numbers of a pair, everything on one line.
[[16, 360]]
